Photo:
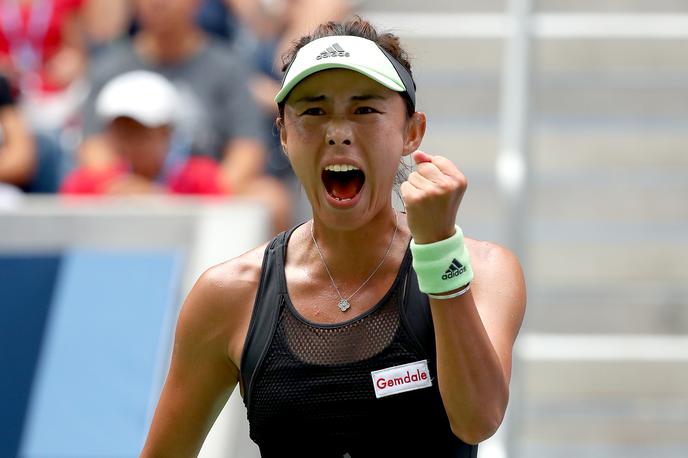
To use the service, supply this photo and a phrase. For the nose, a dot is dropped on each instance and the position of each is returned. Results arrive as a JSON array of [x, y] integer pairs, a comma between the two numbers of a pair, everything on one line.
[[338, 133]]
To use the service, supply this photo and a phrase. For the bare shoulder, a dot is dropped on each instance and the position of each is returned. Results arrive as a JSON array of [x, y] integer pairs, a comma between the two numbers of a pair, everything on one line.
[[232, 280], [497, 272], [221, 302], [484, 254], [499, 291]]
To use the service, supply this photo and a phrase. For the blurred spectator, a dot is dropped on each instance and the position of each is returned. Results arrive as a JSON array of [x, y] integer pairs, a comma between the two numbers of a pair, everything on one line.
[[259, 31], [108, 20], [214, 17], [105, 21], [42, 53], [17, 155], [138, 109], [28, 162], [267, 28], [219, 117], [275, 23]]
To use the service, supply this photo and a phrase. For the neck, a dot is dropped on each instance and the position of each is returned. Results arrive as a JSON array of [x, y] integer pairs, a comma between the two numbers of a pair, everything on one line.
[[169, 46], [354, 253]]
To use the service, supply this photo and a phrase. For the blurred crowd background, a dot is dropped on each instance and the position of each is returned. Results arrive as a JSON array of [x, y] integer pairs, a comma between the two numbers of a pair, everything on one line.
[[128, 97], [134, 97]]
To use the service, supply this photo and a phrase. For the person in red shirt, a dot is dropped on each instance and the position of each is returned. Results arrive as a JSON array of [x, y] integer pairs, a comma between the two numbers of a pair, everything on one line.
[[139, 109], [41, 46]]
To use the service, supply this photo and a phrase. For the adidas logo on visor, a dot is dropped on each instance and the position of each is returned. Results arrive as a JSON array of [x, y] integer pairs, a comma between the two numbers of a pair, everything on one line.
[[332, 51], [455, 269]]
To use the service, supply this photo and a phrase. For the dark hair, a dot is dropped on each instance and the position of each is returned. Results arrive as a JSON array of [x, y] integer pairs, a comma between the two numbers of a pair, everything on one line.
[[357, 27]]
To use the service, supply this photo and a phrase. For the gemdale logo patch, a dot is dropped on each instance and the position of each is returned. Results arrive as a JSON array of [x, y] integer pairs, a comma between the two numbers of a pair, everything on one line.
[[332, 51], [400, 379]]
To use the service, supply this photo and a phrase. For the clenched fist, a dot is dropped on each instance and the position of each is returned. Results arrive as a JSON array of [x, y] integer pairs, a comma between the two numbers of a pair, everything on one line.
[[432, 195]]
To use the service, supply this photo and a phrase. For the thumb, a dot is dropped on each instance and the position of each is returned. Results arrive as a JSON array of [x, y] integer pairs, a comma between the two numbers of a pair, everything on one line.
[[419, 157]]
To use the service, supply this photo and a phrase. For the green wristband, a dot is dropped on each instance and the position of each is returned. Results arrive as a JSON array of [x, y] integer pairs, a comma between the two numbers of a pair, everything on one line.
[[442, 266]]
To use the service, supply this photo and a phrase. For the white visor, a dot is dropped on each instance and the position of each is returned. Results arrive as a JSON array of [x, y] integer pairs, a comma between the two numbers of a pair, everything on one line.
[[341, 51]]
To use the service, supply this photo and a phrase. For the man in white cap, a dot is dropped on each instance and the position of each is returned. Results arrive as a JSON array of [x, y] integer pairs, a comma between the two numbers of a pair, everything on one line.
[[139, 110], [218, 119]]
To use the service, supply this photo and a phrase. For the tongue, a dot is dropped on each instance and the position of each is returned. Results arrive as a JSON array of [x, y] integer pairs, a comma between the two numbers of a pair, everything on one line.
[[344, 189]]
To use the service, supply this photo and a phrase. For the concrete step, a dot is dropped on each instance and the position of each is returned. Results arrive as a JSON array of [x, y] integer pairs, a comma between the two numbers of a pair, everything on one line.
[[575, 78], [612, 147], [600, 393], [609, 56], [665, 104], [430, 56], [613, 102], [615, 308], [573, 449], [653, 200], [620, 6], [631, 57], [559, 146], [473, 147], [601, 421], [579, 380], [579, 260], [616, 6], [603, 205], [434, 6]]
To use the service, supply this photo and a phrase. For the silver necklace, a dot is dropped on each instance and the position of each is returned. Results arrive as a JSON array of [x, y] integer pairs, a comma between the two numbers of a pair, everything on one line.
[[344, 303]]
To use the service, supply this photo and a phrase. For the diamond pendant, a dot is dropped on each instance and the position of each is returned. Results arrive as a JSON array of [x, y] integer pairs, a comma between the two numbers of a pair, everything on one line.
[[343, 305]]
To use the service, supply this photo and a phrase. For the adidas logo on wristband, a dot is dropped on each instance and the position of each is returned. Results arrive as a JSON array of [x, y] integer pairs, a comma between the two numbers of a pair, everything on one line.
[[455, 269]]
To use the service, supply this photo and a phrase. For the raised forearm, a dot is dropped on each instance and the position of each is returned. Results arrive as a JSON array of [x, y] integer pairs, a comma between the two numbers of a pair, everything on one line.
[[472, 380], [475, 331]]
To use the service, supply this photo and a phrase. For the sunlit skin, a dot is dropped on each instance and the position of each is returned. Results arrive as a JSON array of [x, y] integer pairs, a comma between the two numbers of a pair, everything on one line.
[[341, 116]]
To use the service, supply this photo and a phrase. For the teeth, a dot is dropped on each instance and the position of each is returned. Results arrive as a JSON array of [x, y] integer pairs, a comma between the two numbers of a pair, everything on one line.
[[340, 168]]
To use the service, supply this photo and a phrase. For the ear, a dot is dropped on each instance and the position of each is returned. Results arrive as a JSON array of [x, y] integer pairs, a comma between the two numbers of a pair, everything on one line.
[[279, 122], [415, 130]]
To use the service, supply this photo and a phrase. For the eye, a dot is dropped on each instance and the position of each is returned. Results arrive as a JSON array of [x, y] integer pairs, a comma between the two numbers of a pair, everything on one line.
[[366, 110], [313, 111]]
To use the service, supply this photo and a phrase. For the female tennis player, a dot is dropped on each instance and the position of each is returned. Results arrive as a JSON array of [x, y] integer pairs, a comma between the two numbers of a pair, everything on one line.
[[364, 331]]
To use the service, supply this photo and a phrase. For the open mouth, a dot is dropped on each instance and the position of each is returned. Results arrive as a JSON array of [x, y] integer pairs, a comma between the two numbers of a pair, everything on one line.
[[343, 181]]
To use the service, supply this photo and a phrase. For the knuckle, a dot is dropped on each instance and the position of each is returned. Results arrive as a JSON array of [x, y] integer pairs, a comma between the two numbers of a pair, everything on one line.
[[463, 181], [441, 160], [411, 200], [424, 167], [448, 185], [436, 192], [459, 181]]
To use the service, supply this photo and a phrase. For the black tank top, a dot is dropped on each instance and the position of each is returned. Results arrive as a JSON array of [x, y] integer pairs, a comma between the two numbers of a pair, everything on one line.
[[308, 387]]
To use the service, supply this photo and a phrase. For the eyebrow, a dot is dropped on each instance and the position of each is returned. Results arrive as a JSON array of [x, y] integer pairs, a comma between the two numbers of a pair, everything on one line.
[[310, 99], [368, 97], [320, 98]]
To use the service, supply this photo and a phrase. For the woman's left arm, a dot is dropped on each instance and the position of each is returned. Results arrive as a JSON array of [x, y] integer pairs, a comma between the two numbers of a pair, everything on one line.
[[474, 335], [474, 332]]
